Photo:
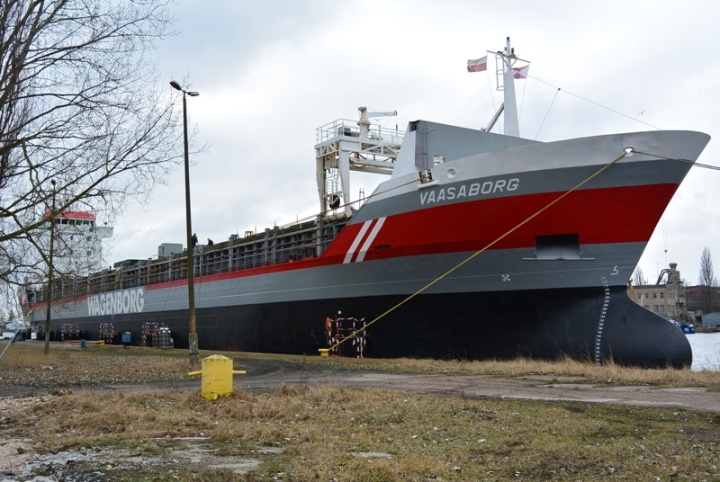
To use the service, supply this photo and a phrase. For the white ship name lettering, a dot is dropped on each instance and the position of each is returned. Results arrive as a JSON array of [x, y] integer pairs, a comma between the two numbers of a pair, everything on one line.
[[117, 302], [469, 190]]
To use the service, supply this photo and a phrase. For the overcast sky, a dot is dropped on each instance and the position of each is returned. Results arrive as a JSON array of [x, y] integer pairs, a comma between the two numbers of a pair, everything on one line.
[[270, 73]]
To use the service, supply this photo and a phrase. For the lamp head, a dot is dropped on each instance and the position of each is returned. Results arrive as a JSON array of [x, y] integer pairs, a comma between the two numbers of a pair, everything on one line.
[[175, 85]]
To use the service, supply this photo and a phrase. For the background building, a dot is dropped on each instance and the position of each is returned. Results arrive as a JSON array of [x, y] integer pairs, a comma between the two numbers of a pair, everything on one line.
[[711, 320], [703, 299], [667, 297]]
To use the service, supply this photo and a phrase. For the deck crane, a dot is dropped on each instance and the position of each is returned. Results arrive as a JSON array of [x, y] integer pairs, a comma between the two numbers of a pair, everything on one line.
[[364, 122]]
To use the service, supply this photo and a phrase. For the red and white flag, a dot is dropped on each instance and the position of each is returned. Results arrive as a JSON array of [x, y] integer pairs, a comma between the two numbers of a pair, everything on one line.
[[477, 65], [521, 72]]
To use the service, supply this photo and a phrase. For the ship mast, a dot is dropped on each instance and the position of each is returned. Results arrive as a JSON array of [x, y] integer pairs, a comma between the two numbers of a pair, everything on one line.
[[505, 75], [508, 59]]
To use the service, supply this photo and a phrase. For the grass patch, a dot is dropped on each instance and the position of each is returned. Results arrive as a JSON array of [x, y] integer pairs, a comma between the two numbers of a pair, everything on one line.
[[326, 434], [301, 433]]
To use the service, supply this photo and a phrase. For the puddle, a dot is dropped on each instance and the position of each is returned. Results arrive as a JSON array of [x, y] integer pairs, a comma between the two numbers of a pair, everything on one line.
[[90, 465]]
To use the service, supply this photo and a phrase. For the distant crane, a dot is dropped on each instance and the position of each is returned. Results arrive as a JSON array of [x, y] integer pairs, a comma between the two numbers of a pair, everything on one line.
[[673, 275], [664, 272]]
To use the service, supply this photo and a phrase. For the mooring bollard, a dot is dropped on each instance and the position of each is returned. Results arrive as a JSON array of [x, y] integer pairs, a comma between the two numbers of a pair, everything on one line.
[[217, 376]]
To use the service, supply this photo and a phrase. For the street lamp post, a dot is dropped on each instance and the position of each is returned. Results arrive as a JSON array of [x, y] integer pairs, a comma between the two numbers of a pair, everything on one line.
[[51, 281], [192, 333]]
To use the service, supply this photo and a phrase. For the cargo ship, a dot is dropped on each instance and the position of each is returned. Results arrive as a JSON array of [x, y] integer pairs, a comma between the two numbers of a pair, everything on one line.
[[478, 245]]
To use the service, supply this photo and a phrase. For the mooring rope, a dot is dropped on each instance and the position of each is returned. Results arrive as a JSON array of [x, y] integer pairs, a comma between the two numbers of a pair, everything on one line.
[[675, 159]]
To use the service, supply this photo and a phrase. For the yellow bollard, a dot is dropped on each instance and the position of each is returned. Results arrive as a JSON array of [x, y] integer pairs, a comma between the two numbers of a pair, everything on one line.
[[324, 352], [217, 380]]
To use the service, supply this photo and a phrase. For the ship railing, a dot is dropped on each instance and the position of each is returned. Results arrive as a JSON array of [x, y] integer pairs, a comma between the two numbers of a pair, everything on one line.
[[282, 244], [350, 128], [222, 263]]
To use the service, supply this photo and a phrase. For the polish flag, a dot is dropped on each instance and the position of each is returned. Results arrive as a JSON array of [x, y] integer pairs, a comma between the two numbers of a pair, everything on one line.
[[477, 65]]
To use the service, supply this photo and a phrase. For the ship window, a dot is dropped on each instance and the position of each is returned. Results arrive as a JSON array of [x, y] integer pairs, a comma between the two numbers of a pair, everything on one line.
[[557, 247]]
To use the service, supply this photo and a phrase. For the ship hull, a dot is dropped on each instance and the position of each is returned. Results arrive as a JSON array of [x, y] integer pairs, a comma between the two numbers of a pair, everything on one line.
[[596, 325]]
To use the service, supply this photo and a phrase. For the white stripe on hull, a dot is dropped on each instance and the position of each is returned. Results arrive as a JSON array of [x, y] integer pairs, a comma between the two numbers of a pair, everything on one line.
[[376, 225]]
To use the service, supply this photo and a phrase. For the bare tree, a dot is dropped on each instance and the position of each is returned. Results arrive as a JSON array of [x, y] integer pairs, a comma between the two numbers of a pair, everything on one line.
[[638, 277], [708, 281], [78, 106]]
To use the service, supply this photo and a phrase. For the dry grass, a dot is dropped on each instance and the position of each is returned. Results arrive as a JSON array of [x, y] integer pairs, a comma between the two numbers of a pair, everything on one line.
[[608, 373], [66, 364], [338, 434], [322, 432], [26, 364]]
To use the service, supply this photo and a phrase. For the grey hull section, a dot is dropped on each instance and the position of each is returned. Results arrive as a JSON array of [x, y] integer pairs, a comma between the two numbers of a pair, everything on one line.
[[489, 308], [595, 324], [512, 271]]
